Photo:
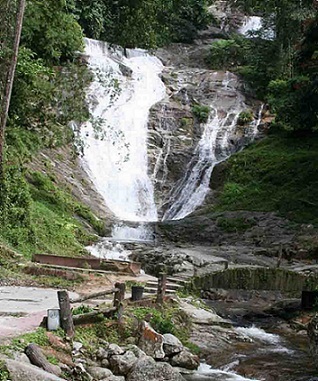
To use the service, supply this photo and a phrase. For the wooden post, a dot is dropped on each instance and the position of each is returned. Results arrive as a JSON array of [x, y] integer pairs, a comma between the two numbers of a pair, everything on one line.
[[162, 286], [66, 313], [119, 294]]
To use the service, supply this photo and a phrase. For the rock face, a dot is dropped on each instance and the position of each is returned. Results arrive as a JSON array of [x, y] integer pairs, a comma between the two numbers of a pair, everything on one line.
[[175, 132], [230, 228], [151, 342], [146, 369]]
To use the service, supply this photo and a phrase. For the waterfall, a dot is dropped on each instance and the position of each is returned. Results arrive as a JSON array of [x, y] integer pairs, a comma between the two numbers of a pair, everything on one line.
[[115, 140], [214, 147], [251, 24], [121, 95]]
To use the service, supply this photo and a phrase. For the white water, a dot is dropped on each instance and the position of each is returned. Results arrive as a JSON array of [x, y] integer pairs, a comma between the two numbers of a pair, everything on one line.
[[251, 24], [115, 152], [274, 341], [259, 334], [205, 371], [254, 24], [214, 147]]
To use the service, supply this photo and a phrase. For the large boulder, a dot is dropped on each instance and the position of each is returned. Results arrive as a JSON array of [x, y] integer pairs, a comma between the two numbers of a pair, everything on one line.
[[121, 364], [171, 344], [186, 359], [21, 371], [151, 342], [146, 369], [99, 373]]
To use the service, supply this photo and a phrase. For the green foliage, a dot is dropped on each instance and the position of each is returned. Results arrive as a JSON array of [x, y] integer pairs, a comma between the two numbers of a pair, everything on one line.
[[4, 374], [276, 174], [245, 117], [201, 112], [50, 31], [38, 337], [147, 23], [45, 100], [166, 320], [294, 102], [226, 54], [82, 310]]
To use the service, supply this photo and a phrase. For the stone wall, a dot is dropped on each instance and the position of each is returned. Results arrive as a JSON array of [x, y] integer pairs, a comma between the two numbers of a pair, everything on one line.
[[257, 278]]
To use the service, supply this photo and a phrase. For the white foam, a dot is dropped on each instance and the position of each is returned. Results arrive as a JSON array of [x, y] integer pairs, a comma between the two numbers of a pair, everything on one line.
[[259, 334], [206, 371]]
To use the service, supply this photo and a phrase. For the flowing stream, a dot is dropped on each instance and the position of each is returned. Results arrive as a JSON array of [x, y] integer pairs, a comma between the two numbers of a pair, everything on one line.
[[264, 356]]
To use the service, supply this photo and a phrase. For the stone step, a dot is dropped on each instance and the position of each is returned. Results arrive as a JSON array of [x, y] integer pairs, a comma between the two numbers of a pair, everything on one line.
[[170, 286], [182, 281], [151, 290]]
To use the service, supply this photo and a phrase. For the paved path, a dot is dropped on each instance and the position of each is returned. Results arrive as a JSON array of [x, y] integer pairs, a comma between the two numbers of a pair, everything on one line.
[[23, 308]]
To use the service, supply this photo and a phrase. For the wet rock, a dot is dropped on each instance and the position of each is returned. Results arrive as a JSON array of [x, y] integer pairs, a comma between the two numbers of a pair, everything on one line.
[[121, 364], [150, 341], [146, 369], [99, 373], [171, 344], [186, 359]]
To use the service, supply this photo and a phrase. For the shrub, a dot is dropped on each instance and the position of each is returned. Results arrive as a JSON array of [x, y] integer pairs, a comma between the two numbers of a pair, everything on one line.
[[245, 117], [201, 112]]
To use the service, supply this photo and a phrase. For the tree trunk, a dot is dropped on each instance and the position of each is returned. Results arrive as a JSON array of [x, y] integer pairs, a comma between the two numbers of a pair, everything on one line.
[[66, 313], [37, 358], [5, 101]]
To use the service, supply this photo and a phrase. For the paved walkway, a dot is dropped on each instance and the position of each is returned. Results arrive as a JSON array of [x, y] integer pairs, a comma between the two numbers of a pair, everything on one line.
[[23, 308]]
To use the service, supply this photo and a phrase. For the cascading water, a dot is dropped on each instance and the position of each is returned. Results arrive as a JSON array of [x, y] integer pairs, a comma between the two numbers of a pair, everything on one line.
[[123, 91], [214, 147], [115, 141]]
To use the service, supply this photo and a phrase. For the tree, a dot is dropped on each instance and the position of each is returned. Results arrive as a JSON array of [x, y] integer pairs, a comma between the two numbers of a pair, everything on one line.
[[9, 49]]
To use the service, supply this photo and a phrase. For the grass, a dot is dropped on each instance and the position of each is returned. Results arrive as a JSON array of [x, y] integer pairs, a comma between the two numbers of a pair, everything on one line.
[[57, 222], [276, 174]]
